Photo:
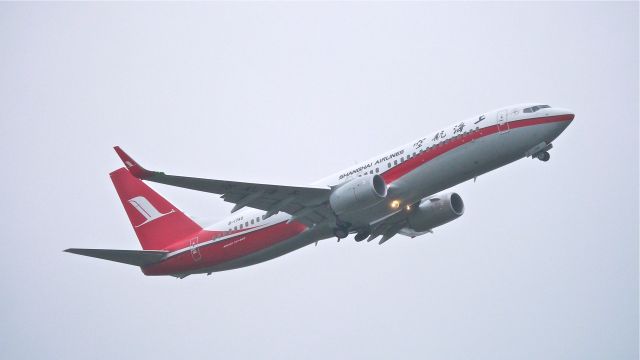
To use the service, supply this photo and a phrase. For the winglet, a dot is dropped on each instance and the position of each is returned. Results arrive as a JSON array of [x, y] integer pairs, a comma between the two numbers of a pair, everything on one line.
[[134, 168]]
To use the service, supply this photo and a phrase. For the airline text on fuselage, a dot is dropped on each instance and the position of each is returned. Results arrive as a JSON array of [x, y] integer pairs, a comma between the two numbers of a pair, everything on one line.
[[367, 166]]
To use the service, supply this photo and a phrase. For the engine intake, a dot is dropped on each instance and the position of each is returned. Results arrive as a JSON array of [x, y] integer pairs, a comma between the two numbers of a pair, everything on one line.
[[435, 211], [358, 194]]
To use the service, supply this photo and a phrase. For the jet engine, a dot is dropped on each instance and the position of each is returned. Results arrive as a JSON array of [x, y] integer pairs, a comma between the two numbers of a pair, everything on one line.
[[357, 194], [435, 211]]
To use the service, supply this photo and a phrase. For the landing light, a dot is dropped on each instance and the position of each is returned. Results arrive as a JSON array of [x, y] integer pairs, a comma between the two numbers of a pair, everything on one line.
[[395, 204], [408, 207]]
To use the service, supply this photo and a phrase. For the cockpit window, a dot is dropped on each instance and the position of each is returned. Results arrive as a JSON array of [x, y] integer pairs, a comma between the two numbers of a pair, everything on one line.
[[535, 108]]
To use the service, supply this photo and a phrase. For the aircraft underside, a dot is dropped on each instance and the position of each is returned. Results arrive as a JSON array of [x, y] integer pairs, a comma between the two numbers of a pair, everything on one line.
[[396, 193]]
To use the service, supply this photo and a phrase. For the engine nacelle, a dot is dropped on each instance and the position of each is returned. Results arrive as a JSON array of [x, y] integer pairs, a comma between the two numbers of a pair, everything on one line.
[[435, 211], [357, 194]]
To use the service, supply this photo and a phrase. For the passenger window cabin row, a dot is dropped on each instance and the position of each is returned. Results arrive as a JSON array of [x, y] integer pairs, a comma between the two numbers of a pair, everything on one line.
[[246, 223]]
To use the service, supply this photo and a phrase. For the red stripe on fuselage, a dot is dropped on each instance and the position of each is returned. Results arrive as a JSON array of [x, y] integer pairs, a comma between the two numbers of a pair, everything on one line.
[[247, 243], [406, 167], [225, 250]]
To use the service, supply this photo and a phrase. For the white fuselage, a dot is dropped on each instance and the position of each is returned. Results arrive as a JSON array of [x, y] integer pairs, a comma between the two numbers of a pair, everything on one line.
[[419, 169]]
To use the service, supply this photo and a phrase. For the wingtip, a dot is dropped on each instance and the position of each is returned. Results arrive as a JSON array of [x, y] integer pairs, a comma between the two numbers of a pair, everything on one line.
[[134, 168]]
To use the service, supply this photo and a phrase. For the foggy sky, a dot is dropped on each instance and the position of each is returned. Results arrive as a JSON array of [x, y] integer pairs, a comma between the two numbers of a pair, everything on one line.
[[543, 264]]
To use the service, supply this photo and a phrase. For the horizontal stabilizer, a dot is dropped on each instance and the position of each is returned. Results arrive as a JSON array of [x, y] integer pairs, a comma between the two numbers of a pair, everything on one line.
[[131, 257]]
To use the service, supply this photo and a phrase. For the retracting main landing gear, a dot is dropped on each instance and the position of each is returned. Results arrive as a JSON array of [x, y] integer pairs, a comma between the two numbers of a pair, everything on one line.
[[341, 232], [543, 156]]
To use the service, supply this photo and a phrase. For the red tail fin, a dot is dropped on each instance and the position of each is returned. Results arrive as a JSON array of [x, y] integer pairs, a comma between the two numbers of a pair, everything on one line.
[[156, 221]]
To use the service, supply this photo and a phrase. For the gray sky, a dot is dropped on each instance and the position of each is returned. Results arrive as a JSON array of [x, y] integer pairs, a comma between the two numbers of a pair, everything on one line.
[[543, 264]]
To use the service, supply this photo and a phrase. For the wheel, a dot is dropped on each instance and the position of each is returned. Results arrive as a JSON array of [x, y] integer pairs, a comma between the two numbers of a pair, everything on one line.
[[341, 233], [543, 156]]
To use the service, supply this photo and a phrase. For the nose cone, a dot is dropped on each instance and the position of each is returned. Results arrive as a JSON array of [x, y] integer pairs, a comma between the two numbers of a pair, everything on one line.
[[565, 114], [562, 119]]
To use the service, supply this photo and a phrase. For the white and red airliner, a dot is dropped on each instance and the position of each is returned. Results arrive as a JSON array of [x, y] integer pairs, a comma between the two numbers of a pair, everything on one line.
[[396, 192]]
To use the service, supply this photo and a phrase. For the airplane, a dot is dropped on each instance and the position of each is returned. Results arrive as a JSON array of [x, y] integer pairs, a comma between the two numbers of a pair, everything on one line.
[[396, 192]]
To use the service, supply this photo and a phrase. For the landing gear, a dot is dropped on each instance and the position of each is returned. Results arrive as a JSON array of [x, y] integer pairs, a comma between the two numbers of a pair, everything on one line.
[[341, 233], [341, 230], [543, 156], [540, 151]]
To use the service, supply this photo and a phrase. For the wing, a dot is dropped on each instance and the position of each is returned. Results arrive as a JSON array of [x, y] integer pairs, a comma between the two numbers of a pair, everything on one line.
[[396, 223], [306, 204], [388, 226]]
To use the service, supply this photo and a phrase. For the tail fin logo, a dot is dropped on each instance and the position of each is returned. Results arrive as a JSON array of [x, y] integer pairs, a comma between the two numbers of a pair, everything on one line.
[[147, 210]]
